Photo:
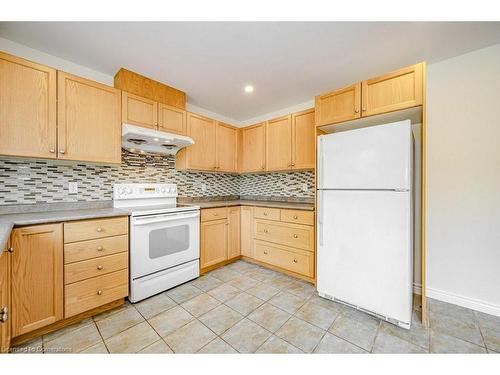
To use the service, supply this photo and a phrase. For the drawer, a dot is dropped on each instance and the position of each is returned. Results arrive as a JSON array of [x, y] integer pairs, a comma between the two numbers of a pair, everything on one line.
[[90, 229], [266, 213], [298, 216], [91, 293], [95, 267], [294, 235], [286, 258], [78, 251], [213, 213]]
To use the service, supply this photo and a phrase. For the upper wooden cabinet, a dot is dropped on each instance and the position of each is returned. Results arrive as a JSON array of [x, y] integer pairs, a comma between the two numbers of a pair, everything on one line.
[[140, 111], [397, 90], [253, 144], [226, 145], [171, 119], [279, 144], [89, 121], [338, 106], [303, 140], [147, 113], [391, 92], [27, 108], [5, 305], [37, 277]]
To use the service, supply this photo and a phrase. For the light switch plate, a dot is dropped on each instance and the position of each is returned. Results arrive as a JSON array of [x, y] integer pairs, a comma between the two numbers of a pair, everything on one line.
[[73, 187]]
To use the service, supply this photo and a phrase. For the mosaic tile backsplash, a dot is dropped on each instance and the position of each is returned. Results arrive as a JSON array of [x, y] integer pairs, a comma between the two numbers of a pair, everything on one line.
[[28, 181]]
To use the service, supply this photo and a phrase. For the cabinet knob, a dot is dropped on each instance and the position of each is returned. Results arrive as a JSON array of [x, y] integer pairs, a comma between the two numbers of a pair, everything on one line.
[[295, 260], [295, 236], [99, 268], [265, 252], [265, 231], [99, 292], [216, 214], [265, 213], [99, 248], [364, 109], [356, 110], [10, 249], [99, 229], [293, 164], [295, 217], [62, 151], [52, 150]]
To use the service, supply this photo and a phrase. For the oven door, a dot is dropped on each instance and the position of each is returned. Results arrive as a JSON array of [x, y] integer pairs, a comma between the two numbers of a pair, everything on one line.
[[161, 241]]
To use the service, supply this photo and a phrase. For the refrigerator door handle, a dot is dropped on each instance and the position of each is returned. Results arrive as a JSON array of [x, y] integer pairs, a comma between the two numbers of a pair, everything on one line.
[[320, 217]]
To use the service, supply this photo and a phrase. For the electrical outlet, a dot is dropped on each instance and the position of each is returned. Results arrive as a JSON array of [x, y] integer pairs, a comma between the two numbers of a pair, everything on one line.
[[73, 187], [304, 187], [203, 187]]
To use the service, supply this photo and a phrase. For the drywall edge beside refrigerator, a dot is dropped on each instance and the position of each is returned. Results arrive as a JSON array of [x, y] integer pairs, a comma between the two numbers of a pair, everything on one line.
[[365, 219]]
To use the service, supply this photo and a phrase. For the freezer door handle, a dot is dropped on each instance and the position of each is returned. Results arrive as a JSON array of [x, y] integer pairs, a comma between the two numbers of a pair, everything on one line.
[[320, 217]]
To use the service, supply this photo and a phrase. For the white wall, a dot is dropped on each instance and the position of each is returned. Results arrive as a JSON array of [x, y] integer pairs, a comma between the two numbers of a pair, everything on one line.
[[463, 180]]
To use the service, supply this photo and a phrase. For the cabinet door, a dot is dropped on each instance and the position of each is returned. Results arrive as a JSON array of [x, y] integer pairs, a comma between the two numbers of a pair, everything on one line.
[[27, 108], [338, 106], [234, 249], [247, 248], [214, 242], [171, 119], [89, 126], [201, 155], [5, 305], [391, 92], [303, 145], [254, 148], [279, 144], [139, 111], [37, 277], [226, 144]]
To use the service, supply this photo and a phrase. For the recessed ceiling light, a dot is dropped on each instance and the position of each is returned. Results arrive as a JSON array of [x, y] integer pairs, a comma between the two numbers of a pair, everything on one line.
[[248, 89]]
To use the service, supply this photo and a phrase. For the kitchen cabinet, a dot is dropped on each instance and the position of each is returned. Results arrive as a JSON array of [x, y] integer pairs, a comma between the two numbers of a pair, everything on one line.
[[279, 144], [226, 145], [37, 277], [5, 305], [27, 108], [214, 242], [390, 92], [171, 119], [201, 155], [303, 140], [397, 90], [247, 231], [339, 105], [89, 120], [253, 141], [139, 111], [234, 217]]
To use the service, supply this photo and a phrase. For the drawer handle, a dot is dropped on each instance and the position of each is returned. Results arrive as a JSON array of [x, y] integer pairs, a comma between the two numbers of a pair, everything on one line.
[[99, 292], [99, 229], [295, 236], [265, 252], [295, 217], [295, 260], [99, 268], [99, 248], [216, 214]]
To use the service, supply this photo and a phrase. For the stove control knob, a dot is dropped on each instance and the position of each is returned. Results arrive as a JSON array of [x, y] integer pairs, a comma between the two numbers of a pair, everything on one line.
[[163, 190], [121, 191], [129, 191]]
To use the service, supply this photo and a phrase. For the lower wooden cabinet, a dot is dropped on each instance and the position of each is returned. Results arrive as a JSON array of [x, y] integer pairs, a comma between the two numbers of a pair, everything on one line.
[[234, 246], [5, 305], [37, 277], [247, 231], [214, 242]]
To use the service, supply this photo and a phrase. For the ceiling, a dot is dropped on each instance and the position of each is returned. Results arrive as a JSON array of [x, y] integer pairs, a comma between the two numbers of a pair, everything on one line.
[[287, 62]]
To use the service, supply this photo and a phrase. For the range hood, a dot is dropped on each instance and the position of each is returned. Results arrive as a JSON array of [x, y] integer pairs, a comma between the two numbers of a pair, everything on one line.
[[141, 140]]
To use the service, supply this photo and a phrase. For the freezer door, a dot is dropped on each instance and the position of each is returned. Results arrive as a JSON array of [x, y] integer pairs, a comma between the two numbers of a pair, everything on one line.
[[365, 250], [377, 157]]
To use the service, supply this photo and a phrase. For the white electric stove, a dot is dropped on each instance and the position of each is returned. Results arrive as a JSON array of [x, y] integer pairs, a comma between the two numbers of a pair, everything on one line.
[[164, 237]]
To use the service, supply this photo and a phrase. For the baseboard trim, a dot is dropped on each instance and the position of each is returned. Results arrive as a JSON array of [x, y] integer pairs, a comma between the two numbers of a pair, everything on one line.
[[470, 303]]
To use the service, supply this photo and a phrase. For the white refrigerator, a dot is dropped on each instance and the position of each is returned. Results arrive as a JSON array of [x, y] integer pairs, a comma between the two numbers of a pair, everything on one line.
[[365, 220]]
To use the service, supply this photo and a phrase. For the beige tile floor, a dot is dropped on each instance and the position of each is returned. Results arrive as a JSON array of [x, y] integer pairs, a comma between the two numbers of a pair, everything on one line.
[[244, 308]]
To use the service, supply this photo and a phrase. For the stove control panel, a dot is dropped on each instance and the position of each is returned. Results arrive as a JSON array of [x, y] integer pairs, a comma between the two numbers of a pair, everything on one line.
[[139, 191]]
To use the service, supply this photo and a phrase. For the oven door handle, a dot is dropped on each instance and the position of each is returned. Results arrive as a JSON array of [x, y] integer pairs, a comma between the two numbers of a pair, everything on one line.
[[161, 219]]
